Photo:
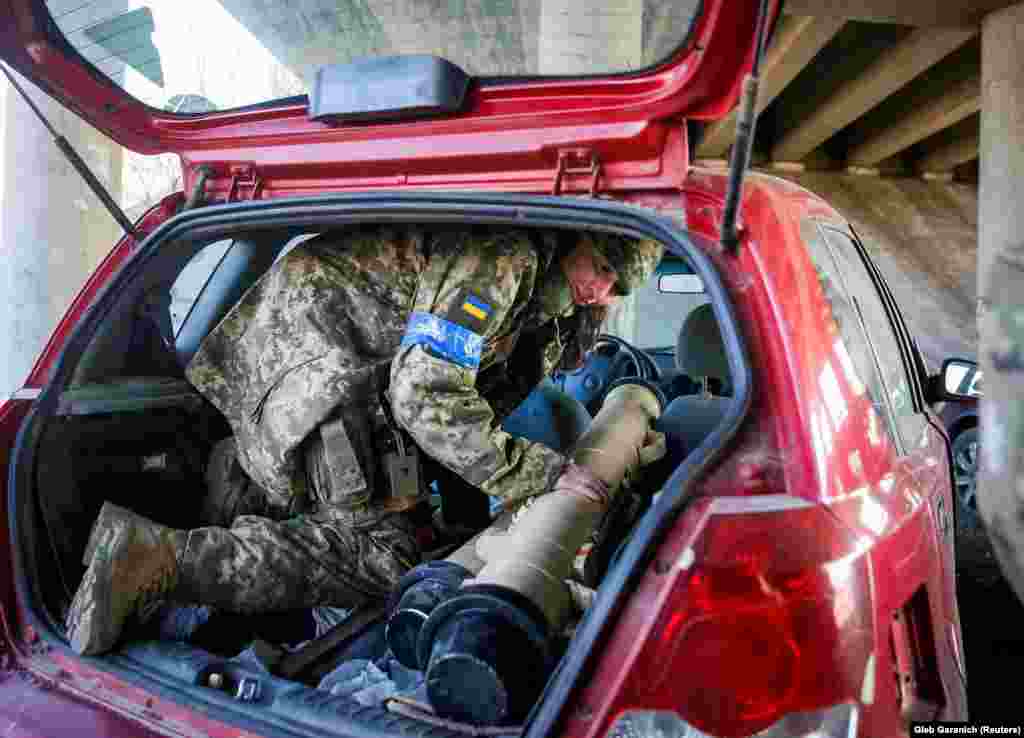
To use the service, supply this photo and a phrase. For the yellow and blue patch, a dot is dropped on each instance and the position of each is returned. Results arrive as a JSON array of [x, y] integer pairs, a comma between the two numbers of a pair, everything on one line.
[[469, 310], [476, 307]]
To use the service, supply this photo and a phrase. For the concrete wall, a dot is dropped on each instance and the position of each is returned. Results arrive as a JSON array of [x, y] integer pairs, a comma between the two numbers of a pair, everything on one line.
[[53, 230], [923, 235]]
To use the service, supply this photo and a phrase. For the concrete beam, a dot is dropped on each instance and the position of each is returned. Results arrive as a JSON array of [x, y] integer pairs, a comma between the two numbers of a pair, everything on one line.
[[951, 155], [796, 42], [962, 100], [888, 73], [907, 12]]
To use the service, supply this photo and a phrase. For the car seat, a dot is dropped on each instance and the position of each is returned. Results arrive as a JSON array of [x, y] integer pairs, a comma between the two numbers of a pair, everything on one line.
[[700, 353]]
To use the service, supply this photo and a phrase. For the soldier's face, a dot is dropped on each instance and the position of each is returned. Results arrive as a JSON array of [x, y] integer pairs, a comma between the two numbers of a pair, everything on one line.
[[589, 274]]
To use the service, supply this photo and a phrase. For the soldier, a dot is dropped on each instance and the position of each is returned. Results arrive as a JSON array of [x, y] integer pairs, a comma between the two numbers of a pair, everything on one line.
[[353, 351]]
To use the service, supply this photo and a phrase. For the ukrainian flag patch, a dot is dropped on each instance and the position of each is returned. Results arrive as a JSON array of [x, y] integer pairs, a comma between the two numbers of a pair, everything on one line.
[[476, 307], [469, 310]]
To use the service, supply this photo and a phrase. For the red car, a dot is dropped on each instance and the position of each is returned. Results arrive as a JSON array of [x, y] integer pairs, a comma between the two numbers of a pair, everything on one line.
[[793, 573]]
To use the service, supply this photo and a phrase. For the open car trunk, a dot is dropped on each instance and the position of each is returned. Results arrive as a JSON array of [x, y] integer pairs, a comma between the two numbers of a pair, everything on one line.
[[118, 422]]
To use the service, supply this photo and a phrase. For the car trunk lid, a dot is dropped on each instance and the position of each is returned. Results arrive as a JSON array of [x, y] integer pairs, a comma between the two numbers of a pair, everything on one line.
[[622, 130]]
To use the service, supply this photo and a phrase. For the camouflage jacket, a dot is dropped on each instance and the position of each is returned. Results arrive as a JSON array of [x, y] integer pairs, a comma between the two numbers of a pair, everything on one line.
[[303, 345]]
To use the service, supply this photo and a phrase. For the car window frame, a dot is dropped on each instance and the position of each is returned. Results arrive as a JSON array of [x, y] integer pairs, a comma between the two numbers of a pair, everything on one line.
[[904, 338], [821, 226]]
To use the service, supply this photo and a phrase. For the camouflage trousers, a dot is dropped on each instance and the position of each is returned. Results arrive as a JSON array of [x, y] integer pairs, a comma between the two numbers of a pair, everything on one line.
[[257, 557]]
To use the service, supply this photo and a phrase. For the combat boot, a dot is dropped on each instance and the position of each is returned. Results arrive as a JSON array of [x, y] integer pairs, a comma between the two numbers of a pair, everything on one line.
[[132, 564]]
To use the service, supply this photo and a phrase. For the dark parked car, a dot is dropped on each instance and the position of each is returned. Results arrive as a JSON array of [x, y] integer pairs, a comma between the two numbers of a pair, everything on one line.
[[961, 418], [789, 573]]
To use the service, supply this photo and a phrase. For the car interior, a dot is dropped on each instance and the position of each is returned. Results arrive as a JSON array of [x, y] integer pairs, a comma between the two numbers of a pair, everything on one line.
[[131, 430]]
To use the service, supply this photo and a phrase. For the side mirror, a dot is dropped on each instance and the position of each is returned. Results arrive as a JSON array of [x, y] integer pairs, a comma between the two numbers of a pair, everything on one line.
[[681, 284], [959, 379]]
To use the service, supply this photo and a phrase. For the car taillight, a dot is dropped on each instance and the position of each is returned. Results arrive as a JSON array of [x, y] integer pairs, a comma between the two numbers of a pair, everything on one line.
[[765, 615], [835, 722], [760, 641]]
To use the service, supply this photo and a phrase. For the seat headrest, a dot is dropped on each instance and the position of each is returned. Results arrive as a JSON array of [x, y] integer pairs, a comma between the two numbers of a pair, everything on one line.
[[700, 351]]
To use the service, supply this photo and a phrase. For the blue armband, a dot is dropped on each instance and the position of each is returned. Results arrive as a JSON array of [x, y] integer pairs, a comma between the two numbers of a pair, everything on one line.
[[445, 339]]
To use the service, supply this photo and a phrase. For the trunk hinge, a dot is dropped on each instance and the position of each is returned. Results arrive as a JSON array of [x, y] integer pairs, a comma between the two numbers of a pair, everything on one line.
[[245, 184], [576, 162]]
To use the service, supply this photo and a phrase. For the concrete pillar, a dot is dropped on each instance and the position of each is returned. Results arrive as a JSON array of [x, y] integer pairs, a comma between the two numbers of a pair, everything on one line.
[[53, 230], [1001, 287]]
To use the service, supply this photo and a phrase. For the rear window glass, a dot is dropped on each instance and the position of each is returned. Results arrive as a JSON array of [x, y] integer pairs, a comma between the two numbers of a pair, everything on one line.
[[650, 317], [195, 57], [858, 359]]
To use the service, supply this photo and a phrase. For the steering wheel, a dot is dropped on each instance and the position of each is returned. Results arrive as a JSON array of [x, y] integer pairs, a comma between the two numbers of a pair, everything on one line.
[[627, 361], [603, 367]]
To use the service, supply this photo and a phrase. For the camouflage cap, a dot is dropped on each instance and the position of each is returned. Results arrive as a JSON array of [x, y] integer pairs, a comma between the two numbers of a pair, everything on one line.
[[634, 259]]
